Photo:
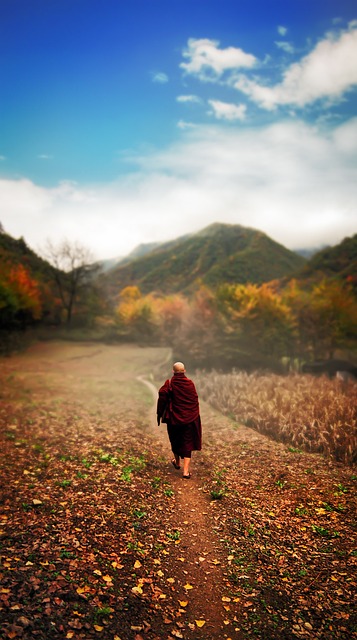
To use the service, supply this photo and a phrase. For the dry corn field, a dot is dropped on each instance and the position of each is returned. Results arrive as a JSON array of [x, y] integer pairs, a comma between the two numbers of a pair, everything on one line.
[[315, 414]]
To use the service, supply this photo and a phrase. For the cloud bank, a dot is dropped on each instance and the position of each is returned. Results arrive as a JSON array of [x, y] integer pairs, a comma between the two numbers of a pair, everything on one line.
[[291, 180]]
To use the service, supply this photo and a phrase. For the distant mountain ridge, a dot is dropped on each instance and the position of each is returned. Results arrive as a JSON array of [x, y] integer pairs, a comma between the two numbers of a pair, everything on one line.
[[218, 253], [137, 252]]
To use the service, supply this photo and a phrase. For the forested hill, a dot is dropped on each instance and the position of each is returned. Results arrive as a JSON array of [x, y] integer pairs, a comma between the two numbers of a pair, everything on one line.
[[218, 254], [339, 260], [15, 252]]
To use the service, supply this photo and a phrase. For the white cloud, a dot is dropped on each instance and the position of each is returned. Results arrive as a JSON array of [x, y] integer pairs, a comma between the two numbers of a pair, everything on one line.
[[282, 31], [291, 180], [226, 111], [326, 73], [189, 98], [285, 46], [206, 59], [160, 77], [182, 124]]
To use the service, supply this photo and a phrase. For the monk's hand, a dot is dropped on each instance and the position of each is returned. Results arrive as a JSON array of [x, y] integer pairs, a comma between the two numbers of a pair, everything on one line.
[[158, 420]]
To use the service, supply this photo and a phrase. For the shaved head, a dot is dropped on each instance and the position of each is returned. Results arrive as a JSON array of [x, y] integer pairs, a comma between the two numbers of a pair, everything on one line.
[[178, 367]]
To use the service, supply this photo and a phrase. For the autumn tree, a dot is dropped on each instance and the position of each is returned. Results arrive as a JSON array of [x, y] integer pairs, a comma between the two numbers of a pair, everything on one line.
[[325, 317], [170, 314], [135, 314], [20, 296], [198, 337], [258, 323], [334, 309], [73, 271]]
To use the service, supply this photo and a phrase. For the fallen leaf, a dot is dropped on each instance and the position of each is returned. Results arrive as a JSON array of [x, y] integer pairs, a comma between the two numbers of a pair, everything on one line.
[[81, 590], [137, 589], [200, 623], [183, 603], [137, 564], [188, 586], [171, 580], [98, 627]]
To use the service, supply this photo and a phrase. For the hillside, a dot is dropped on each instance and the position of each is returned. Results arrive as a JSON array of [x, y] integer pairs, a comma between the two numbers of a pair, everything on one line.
[[14, 252], [219, 253], [337, 261]]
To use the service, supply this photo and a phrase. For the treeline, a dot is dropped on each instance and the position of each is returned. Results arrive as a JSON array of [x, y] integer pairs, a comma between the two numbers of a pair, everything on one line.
[[58, 290], [249, 326], [24, 299]]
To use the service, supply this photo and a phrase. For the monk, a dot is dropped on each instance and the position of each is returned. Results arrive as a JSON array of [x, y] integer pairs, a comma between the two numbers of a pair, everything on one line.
[[178, 406]]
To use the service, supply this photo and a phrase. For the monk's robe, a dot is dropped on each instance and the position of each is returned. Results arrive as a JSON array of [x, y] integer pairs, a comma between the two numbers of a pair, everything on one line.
[[184, 424]]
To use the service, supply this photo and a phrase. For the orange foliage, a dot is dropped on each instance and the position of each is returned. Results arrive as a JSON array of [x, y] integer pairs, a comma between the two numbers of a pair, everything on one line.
[[26, 290]]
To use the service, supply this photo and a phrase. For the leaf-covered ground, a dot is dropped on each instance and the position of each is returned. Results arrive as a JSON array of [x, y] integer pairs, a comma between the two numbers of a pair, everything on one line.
[[102, 538]]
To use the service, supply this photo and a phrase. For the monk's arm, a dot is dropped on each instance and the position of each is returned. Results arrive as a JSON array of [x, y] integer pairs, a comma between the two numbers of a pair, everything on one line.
[[162, 401]]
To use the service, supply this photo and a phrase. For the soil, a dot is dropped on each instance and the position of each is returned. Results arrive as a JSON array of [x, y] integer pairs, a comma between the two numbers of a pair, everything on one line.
[[102, 537]]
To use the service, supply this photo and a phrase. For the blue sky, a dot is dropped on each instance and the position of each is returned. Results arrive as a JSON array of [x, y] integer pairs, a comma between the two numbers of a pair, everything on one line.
[[127, 122]]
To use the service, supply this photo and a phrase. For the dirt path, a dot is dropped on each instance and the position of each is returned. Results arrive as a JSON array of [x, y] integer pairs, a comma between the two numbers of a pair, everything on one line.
[[203, 557]]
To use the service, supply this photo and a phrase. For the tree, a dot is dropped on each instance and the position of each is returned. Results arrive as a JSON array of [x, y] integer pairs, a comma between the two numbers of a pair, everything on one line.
[[73, 271], [258, 324], [325, 317], [20, 297], [135, 314], [334, 307]]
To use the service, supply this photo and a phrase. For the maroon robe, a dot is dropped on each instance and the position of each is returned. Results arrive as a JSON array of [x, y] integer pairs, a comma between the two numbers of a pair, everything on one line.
[[184, 426]]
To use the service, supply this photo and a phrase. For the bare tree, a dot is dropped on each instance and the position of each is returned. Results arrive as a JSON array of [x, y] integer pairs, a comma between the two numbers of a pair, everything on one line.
[[73, 271]]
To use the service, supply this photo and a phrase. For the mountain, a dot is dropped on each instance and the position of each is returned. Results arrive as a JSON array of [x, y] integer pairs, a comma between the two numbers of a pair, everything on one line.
[[141, 250], [217, 254], [308, 253], [138, 252], [337, 261]]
